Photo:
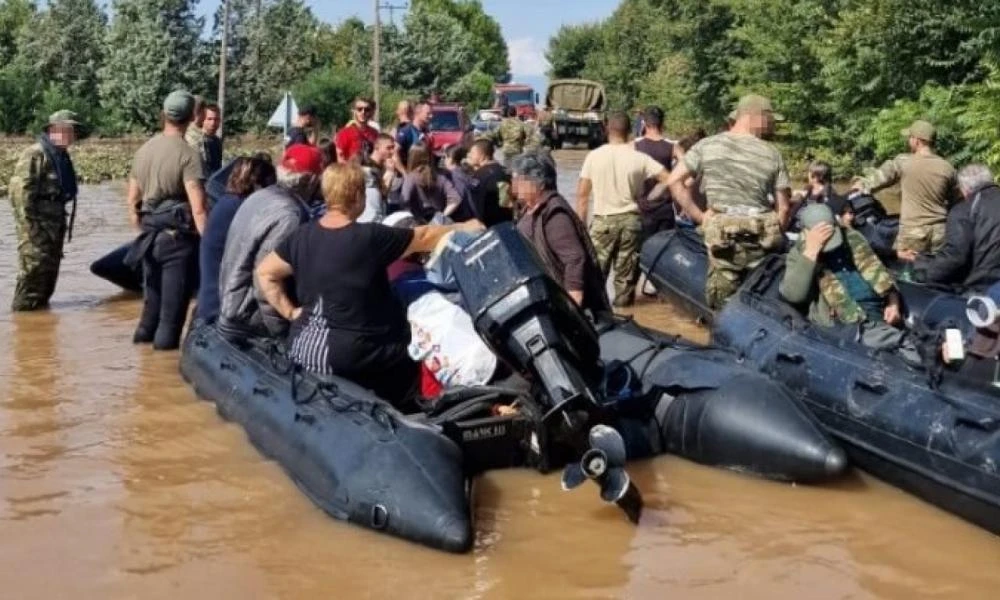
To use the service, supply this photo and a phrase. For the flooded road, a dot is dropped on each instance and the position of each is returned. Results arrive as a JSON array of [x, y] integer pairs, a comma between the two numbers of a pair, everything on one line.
[[117, 482]]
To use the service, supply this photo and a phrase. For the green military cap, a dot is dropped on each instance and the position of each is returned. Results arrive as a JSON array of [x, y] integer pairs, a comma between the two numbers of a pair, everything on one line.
[[756, 104], [63, 117], [179, 106], [922, 130], [817, 214]]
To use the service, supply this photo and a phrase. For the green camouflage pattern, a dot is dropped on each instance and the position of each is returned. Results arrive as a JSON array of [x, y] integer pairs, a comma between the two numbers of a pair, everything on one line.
[[737, 171], [40, 225], [196, 139], [736, 244], [842, 306], [921, 239], [510, 137], [617, 240]]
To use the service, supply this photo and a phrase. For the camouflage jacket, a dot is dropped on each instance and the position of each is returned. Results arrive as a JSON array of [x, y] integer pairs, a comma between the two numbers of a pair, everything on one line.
[[34, 187], [196, 139], [511, 136], [806, 282]]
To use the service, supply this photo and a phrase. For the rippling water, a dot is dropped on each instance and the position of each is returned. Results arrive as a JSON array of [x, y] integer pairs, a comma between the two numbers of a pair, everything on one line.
[[117, 482]]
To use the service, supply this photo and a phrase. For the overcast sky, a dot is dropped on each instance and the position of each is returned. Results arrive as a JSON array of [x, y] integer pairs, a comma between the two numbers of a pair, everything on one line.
[[527, 24]]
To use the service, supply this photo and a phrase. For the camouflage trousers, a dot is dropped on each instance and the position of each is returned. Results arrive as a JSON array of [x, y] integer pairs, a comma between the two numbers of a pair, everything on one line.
[[39, 252], [617, 239], [921, 239], [736, 244]]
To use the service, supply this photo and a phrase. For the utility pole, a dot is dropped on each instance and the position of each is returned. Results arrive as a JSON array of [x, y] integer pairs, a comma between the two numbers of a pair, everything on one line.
[[223, 57], [376, 55], [377, 44]]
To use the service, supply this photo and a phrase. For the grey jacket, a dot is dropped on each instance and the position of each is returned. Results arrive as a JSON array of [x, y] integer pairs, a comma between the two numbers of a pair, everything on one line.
[[263, 221]]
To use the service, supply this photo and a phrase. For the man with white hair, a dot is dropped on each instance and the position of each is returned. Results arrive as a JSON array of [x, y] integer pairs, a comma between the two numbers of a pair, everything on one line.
[[970, 257], [262, 222]]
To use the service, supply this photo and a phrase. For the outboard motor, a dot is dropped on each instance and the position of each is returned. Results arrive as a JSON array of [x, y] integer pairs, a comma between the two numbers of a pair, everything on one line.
[[535, 328]]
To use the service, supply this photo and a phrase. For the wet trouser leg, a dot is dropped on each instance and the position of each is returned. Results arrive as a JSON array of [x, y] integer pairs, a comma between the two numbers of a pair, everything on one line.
[[39, 252], [170, 274]]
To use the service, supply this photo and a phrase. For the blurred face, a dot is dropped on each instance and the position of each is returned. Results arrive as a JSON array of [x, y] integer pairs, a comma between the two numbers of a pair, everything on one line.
[[305, 120], [211, 124], [914, 144], [527, 191], [422, 114], [362, 111], [62, 136], [384, 149], [476, 157]]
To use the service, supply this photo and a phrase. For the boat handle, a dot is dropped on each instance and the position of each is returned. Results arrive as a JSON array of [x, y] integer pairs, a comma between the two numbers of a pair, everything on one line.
[[225, 365], [987, 424], [875, 387], [307, 419], [259, 390], [790, 357]]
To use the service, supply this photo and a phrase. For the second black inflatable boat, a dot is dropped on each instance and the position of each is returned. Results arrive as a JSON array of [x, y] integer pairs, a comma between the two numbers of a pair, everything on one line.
[[941, 444]]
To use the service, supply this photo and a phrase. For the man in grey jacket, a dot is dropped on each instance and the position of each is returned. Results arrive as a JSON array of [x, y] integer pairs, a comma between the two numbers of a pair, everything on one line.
[[262, 222]]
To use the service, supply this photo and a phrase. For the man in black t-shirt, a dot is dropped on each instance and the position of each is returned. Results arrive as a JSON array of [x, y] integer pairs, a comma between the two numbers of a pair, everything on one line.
[[655, 206], [492, 201]]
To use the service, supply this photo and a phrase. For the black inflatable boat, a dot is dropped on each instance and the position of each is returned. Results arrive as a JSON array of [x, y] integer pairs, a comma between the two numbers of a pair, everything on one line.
[[363, 461], [942, 444]]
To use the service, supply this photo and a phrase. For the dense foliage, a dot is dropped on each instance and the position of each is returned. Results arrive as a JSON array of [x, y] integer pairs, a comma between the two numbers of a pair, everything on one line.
[[113, 62], [848, 74]]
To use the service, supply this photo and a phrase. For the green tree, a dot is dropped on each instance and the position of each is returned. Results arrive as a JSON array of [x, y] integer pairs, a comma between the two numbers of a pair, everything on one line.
[[14, 15], [488, 44], [65, 45], [433, 53], [272, 51], [569, 49], [152, 48], [19, 94], [331, 91]]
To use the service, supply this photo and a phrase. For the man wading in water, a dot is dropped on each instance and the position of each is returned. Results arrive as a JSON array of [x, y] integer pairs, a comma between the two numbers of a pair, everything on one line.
[[166, 202]]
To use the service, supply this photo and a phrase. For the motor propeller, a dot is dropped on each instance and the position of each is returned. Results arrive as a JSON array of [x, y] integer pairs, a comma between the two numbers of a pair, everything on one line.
[[604, 464]]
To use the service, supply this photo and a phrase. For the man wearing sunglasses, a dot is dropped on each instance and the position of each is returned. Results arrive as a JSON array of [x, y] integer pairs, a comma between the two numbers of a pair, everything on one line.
[[357, 138]]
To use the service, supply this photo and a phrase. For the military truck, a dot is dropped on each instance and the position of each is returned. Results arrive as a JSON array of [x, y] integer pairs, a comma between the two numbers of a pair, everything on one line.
[[575, 113], [522, 97]]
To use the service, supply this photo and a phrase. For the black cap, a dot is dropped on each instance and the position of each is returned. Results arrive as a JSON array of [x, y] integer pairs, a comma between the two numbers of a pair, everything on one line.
[[307, 110]]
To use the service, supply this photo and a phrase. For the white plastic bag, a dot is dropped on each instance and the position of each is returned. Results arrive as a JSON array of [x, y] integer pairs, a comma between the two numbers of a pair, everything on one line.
[[444, 339]]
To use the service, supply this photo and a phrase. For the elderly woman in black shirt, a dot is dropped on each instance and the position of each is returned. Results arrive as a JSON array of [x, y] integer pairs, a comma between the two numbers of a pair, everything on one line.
[[556, 232], [349, 322]]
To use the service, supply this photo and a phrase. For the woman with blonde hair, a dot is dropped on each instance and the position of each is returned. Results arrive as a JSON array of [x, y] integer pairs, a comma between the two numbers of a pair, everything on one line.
[[348, 322], [426, 191]]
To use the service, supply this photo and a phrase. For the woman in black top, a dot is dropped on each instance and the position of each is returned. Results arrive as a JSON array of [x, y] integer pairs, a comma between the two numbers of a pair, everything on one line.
[[349, 324]]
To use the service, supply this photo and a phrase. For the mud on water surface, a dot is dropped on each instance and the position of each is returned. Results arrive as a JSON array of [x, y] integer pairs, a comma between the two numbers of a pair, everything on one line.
[[117, 482]]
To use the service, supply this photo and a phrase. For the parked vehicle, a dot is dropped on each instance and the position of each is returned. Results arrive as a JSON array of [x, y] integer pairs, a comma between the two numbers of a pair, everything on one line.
[[449, 125], [522, 97], [575, 109], [485, 120]]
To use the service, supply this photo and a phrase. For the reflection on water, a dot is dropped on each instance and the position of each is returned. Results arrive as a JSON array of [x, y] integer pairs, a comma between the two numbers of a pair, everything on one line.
[[116, 482]]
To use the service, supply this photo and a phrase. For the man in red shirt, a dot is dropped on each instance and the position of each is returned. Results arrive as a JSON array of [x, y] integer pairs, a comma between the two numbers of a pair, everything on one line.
[[357, 138]]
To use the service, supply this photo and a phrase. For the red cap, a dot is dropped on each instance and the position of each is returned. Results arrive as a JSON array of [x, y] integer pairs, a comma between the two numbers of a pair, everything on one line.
[[303, 158]]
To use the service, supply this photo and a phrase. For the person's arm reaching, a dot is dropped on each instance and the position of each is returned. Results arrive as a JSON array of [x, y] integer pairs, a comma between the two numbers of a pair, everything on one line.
[[583, 189], [564, 242], [452, 198], [681, 193], [783, 206], [133, 200], [271, 274], [886, 175], [196, 196], [426, 237]]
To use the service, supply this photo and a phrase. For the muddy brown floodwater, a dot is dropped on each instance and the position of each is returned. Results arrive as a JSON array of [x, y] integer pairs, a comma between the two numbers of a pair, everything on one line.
[[117, 482]]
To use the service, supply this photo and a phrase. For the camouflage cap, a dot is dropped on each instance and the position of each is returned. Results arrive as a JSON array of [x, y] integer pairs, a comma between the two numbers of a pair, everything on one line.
[[752, 103], [922, 130], [63, 117], [817, 214]]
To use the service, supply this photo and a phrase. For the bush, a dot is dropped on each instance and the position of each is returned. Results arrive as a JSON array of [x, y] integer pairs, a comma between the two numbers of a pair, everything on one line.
[[19, 94], [331, 92]]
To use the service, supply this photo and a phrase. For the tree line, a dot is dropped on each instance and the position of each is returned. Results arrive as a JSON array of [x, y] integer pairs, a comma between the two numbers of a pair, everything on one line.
[[847, 74], [114, 67]]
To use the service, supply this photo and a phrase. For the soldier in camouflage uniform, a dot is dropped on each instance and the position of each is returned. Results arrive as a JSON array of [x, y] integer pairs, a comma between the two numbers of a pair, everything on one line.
[[43, 183], [929, 187], [748, 193], [835, 276], [511, 136]]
